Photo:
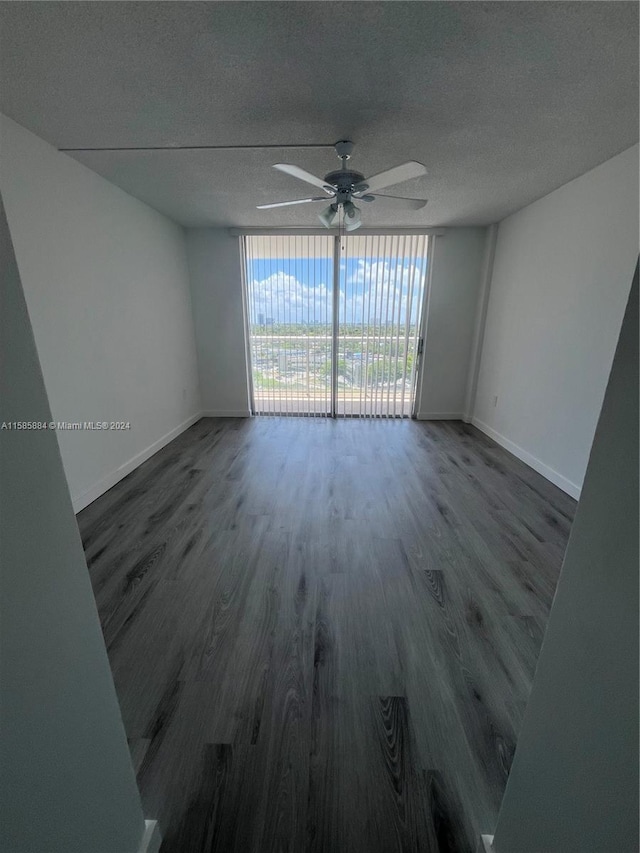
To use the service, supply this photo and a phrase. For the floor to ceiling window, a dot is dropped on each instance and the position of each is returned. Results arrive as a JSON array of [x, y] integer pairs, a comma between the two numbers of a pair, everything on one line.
[[334, 322], [289, 288]]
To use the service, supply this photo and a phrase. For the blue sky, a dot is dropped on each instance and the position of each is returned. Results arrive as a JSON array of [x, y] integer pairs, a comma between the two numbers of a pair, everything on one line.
[[298, 290]]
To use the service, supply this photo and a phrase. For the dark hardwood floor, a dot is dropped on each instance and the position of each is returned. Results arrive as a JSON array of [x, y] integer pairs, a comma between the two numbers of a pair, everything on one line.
[[323, 633]]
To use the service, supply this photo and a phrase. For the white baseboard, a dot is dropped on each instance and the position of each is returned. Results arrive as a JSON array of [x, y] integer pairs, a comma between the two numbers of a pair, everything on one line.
[[227, 413], [151, 840], [91, 494], [553, 476], [439, 416]]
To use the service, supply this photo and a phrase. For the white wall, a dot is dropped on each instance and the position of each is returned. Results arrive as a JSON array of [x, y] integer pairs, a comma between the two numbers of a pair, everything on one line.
[[561, 278], [214, 265], [107, 289], [68, 785], [455, 286], [573, 786]]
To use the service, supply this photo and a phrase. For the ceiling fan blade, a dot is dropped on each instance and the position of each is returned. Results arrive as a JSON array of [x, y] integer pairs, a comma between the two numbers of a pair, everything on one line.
[[302, 175], [397, 175], [287, 203], [400, 201]]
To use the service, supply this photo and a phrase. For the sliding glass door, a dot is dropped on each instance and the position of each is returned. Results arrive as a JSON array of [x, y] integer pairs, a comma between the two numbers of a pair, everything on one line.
[[381, 294], [289, 287], [334, 323]]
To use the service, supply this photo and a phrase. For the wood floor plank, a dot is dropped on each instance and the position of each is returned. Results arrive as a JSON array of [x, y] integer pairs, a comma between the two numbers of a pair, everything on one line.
[[323, 633], [199, 828], [326, 818], [399, 807]]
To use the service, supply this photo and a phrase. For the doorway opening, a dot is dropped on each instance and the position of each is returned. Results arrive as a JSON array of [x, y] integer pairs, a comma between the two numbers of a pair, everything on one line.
[[334, 323]]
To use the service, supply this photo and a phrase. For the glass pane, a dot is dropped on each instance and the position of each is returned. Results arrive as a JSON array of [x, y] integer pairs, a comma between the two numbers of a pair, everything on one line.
[[289, 281], [382, 280]]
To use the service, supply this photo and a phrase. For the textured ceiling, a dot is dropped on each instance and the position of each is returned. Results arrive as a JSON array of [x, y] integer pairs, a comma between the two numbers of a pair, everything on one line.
[[502, 101]]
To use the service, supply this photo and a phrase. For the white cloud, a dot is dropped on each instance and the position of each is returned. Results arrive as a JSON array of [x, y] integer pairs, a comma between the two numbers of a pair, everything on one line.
[[384, 288], [373, 292], [288, 300]]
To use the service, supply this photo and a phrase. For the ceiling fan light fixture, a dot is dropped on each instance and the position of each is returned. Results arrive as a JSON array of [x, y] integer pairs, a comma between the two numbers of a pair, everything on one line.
[[352, 217], [329, 215]]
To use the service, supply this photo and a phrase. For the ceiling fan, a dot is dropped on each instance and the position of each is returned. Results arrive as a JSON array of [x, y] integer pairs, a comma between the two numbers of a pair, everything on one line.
[[344, 185]]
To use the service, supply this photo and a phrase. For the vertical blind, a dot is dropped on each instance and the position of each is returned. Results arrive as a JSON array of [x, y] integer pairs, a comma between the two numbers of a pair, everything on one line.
[[289, 287], [334, 322], [382, 281]]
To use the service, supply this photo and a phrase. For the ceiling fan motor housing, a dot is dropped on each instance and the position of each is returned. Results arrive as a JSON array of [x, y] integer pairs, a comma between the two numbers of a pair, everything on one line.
[[344, 182]]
